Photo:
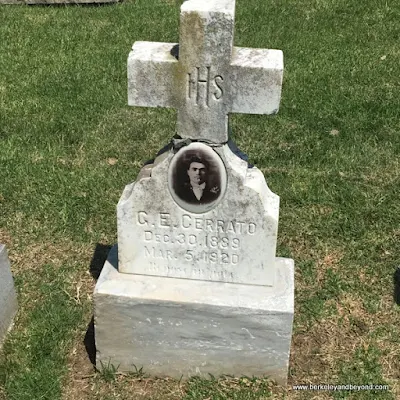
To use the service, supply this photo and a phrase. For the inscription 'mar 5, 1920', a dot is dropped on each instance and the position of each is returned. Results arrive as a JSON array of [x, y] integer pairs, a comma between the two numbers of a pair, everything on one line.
[[201, 87]]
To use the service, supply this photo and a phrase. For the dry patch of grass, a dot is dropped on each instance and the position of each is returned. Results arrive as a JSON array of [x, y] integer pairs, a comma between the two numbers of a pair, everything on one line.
[[84, 382], [34, 254], [28, 260], [318, 353], [5, 238], [78, 384]]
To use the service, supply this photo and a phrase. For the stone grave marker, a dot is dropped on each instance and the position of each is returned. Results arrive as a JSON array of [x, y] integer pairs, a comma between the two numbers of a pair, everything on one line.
[[8, 298], [194, 286]]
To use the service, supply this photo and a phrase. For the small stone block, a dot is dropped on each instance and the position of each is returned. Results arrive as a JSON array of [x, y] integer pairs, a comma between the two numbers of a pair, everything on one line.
[[181, 327], [8, 298]]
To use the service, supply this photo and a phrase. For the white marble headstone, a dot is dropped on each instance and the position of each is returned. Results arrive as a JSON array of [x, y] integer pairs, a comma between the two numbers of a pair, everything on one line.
[[197, 289], [234, 241], [229, 232]]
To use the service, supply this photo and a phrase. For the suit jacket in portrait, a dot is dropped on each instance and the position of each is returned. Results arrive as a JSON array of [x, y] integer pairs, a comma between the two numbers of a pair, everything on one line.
[[186, 193]]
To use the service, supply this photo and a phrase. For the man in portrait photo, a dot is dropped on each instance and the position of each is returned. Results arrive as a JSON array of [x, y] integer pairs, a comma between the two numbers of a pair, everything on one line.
[[196, 188]]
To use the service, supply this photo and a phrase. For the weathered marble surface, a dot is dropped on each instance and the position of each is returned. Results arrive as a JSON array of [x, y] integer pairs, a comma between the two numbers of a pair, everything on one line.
[[205, 77], [181, 327], [233, 242], [8, 298], [196, 287]]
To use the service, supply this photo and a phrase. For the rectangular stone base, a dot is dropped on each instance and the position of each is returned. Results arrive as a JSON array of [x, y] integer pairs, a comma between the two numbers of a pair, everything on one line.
[[8, 297], [181, 327]]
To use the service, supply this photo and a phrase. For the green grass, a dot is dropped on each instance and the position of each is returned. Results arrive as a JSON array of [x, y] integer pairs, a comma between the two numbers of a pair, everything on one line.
[[69, 144], [35, 361], [223, 389]]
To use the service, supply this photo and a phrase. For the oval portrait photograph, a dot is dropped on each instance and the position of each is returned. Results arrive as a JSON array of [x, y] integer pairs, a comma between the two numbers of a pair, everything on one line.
[[197, 178]]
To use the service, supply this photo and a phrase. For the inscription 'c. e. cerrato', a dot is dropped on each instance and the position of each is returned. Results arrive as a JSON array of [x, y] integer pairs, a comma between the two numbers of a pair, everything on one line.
[[163, 220]]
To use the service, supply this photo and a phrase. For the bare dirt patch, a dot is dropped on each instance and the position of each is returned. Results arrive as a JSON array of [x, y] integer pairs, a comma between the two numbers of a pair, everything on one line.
[[317, 353], [79, 382], [5, 238]]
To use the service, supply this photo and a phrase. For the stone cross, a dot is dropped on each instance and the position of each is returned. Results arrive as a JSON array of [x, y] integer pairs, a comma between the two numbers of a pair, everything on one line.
[[205, 77]]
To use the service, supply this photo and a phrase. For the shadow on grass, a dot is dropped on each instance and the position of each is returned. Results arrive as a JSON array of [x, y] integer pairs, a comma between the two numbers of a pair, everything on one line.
[[99, 258], [396, 283], [89, 342], [100, 255]]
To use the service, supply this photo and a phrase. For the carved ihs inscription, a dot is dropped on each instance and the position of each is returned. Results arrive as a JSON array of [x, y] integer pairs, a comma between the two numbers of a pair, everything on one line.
[[202, 87]]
